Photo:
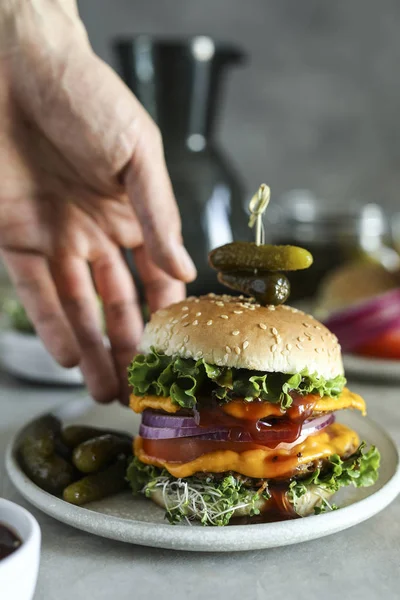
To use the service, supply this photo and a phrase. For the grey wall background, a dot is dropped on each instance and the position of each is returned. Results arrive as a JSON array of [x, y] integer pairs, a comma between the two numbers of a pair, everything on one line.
[[317, 107]]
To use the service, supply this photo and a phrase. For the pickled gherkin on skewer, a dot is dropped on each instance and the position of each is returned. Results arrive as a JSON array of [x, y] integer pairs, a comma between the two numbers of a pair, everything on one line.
[[247, 256], [267, 288]]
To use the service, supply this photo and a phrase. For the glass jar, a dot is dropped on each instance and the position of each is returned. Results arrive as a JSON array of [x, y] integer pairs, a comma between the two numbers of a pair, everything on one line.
[[334, 233]]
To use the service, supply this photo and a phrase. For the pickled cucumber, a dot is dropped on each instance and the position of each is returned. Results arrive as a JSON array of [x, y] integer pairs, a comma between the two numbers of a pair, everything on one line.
[[95, 487], [248, 257], [41, 435], [73, 435], [98, 452], [270, 288], [52, 473]]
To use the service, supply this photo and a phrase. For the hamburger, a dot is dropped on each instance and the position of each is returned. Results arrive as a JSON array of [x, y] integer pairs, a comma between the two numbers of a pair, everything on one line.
[[238, 406]]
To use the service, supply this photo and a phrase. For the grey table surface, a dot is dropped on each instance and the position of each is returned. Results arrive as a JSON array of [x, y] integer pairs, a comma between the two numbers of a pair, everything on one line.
[[360, 563]]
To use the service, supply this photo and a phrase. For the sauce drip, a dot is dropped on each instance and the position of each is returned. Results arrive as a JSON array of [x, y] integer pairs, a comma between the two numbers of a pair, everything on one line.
[[278, 508], [9, 541], [287, 427]]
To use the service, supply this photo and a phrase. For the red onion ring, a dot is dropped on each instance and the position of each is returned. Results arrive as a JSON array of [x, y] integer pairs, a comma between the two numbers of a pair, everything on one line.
[[236, 434]]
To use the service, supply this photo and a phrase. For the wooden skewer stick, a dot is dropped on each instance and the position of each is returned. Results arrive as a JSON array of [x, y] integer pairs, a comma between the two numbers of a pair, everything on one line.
[[257, 207]]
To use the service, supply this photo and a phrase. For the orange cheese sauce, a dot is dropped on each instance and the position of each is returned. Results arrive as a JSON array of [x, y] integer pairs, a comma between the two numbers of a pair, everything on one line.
[[262, 462], [253, 411]]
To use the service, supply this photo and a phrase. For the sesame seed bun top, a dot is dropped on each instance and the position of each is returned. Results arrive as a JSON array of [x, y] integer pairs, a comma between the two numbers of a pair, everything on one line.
[[238, 332]]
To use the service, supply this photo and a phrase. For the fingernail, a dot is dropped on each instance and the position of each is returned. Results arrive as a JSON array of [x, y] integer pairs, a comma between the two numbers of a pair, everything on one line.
[[186, 264]]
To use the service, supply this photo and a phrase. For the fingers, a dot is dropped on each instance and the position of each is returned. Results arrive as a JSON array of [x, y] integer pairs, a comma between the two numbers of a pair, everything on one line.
[[150, 191], [31, 277], [160, 289], [122, 312], [79, 300], [72, 95]]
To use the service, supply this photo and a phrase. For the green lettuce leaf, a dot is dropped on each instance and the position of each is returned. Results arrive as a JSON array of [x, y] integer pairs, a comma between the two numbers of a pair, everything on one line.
[[213, 498], [360, 469], [182, 379]]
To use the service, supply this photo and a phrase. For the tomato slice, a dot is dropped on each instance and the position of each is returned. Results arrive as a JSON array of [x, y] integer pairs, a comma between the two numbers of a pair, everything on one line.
[[386, 345], [182, 450]]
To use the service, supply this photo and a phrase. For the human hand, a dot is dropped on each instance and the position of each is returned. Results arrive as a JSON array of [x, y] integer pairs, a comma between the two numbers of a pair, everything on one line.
[[82, 174]]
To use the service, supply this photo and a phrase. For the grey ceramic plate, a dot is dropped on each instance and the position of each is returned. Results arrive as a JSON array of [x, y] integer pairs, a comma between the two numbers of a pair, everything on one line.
[[139, 521], [376, 368]]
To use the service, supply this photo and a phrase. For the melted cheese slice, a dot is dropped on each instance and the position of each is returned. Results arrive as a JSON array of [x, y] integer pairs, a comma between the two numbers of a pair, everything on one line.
[[253, 410], [264, 462]]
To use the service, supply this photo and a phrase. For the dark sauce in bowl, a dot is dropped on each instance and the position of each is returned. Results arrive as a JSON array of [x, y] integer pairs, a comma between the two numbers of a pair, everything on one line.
[[9, 541]]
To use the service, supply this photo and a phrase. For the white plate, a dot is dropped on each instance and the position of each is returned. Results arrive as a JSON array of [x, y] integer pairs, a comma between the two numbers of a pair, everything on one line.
[[26, 357], [376, 368], [139, 521]]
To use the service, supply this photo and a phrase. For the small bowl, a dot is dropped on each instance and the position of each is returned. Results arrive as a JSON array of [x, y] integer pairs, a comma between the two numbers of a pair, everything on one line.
[[19, 571], [25, 356]]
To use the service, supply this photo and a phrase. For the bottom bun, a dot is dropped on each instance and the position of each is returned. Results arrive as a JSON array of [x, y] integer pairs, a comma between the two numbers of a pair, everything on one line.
[[314, 497]]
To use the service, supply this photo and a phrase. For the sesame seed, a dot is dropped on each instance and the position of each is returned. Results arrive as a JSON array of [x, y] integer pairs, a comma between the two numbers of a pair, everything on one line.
[[237, 350], [262, 326], [195, 322], [274, 348], [185, 308], [209, 322], [198, 314], [288, 346], [300, 338], [219, 303], [186, 324], [226, 356], [236, 332], [228, 349], [308, 335], [252, 307], [175, 321], [186, 339], [224, 316], [274, 330], [318, 350], [317, 327], [306, 324], [190, 298], [245, 345], [211, 295], [271, 307], [299, 346], [198, 354], [238, 312], [197, 300], [185, 316], [285, 352]]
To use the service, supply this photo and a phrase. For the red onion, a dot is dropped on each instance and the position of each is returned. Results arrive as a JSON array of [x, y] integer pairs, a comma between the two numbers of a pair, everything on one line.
[[154, 419], [362, 323], [167, 433], [235, 434]]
